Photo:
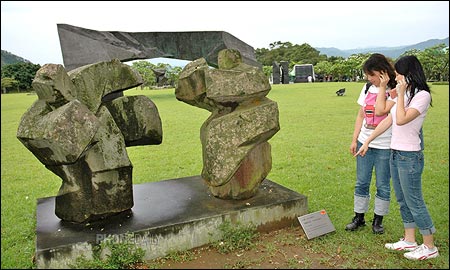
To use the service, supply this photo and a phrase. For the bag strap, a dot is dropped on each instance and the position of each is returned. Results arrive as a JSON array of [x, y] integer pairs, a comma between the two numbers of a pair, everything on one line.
[[368, 85]]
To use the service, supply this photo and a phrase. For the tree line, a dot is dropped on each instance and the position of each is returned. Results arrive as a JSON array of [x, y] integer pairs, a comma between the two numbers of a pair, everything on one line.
[[435, 61], [17, 77]]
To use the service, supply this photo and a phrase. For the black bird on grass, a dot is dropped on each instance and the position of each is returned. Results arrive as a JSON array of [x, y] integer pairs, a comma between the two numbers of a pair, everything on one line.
[[340, 92]]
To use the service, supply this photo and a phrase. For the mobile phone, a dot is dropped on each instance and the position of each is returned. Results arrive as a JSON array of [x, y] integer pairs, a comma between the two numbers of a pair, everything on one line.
[[408, 79]]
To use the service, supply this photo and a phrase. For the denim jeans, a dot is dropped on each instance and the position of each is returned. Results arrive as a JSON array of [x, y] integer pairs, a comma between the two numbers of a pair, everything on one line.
[[378, 159], [406, 170]]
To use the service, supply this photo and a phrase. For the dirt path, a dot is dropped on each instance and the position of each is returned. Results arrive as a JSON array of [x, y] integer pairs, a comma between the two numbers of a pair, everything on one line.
[[279, 249]]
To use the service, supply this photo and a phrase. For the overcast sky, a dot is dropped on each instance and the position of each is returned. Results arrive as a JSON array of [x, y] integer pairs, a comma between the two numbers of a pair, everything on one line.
[[29, 29]]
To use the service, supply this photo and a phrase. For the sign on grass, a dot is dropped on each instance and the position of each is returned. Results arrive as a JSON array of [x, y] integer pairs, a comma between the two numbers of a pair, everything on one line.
[[316, 224]]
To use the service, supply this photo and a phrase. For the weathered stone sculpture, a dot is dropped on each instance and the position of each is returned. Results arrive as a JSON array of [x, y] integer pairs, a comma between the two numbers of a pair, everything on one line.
[[276, 73], [81, 46], [280, 72], [284, 72], [160, 75], [236, 154], [79, 129]]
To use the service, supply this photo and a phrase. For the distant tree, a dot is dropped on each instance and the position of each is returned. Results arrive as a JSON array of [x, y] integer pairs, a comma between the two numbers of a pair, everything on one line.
[[435, 62], [279, 44], [9, 84], [323, 68], [355, 64], [333, 59], [264, 57], [286, 51], [278, 52], [145, 69], [22, 72], [267, 71], [304, 54], [339, 69], [410, 52]]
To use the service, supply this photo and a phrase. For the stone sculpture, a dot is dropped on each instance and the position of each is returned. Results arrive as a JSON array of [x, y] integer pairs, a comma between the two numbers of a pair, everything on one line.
[[284, 72], [280, 72], [276, 73], [160, 75], [81, 124], [79, 129], [81, 46], [236, 154]]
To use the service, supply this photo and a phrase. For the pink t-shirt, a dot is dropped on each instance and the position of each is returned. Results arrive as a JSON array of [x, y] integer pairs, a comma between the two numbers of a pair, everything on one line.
[[406, 137], [383, 141]]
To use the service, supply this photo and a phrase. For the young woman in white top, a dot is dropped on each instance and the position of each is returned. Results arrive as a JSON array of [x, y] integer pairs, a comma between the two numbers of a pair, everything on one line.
[[381, 76], [407, 160]]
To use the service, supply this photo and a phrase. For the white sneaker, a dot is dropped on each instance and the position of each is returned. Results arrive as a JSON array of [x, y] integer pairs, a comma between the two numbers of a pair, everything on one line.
[[401, 245], [422, 252]]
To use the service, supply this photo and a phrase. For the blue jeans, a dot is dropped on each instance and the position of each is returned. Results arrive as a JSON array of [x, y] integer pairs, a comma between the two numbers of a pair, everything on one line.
[[406, 170], [378, 159]]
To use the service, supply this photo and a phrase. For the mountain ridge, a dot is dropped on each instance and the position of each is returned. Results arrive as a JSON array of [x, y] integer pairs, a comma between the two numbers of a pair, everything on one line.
[[10, 58], [393, 52]]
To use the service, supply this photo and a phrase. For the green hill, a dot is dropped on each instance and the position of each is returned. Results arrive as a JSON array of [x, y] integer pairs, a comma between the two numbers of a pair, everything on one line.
[[9, 58]]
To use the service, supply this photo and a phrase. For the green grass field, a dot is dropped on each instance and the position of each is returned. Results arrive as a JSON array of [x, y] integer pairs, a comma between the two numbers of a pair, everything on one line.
[[310, 155]]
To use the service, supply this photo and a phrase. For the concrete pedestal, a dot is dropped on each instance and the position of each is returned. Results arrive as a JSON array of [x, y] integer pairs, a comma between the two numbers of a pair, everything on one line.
[[170, 215]]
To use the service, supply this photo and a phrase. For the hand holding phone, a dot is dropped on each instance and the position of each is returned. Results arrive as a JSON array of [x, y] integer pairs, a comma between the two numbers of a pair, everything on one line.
[[408, 79]]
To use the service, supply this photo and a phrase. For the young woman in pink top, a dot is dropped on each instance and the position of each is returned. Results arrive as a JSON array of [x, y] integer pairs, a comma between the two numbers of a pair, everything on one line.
[[407, 160]]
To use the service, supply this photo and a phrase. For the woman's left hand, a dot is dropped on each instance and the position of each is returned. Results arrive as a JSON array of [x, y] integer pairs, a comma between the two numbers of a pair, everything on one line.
[[384, 79], [362, 150], [401, 87]]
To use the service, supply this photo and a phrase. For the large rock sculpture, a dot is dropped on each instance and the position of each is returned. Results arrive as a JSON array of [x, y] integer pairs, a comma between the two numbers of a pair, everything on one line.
[[236, 154], [79, 129], [81, 46]]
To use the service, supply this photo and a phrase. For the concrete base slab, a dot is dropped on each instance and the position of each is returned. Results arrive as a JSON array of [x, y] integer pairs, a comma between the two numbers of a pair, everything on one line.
[[170, 215]]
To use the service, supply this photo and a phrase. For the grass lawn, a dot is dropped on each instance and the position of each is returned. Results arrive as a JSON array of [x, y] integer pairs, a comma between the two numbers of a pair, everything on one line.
[[310, 155]]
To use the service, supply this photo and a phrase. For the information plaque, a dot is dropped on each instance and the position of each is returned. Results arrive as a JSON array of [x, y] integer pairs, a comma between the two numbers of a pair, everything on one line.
[[316, 224]]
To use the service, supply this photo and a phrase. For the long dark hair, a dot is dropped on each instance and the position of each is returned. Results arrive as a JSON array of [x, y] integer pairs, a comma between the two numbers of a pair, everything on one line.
[[379, 62], [410, 67]]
